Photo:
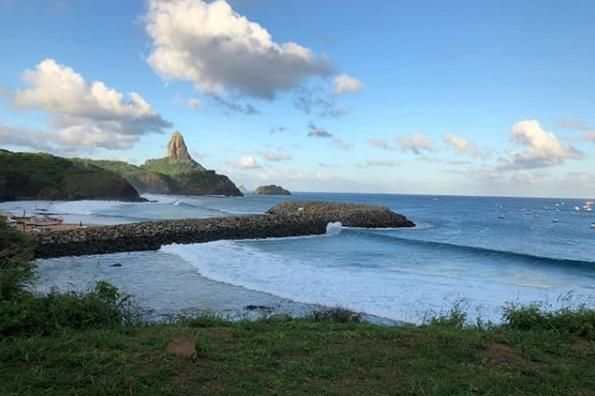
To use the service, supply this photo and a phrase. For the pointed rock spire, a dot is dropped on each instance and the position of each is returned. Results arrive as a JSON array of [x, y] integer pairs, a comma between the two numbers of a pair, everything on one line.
[[177, 151]]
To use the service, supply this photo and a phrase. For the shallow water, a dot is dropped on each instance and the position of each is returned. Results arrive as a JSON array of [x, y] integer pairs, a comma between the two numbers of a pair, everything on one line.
[[485, 251]]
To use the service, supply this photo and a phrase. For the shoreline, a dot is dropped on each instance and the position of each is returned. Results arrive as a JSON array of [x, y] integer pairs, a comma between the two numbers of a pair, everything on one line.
[[284, 220]]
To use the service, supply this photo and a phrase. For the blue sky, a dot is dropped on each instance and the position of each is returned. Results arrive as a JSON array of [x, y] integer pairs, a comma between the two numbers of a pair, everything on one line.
[[462, 97]]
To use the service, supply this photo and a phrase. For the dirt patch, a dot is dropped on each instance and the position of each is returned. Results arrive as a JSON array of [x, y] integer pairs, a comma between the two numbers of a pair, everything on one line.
[[183, 346], [502, 355]]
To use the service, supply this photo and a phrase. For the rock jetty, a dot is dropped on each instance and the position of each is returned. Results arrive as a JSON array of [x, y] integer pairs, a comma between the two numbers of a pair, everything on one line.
[[287, 219]]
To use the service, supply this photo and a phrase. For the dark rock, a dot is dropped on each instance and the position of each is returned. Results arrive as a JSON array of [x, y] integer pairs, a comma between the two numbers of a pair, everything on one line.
[[257, 307]]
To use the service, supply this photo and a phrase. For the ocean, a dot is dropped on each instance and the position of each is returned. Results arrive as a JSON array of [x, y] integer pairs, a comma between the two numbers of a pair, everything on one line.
[[481, 253]]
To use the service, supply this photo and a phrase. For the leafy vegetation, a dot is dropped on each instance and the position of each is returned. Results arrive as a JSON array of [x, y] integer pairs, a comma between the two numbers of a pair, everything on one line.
[[93, 343], [23, 313], [44, 176], [16, 270], [164, 166], [160, 177]]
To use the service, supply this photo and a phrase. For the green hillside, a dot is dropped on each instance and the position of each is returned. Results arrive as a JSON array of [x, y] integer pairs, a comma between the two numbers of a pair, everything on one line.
[[180, 178], [45, 176]]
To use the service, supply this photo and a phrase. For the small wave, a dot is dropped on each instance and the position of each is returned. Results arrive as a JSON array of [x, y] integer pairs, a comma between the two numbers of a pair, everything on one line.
[[184, 204], [483, 251], [236, 212], [334, 228], [418, 226]]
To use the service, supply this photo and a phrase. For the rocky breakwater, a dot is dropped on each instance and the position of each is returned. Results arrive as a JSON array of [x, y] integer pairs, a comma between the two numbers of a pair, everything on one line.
[[349, 215], [287, 219]]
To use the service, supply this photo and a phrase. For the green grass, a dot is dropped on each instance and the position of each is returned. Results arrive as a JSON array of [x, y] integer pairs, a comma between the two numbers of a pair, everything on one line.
[[298, 357]]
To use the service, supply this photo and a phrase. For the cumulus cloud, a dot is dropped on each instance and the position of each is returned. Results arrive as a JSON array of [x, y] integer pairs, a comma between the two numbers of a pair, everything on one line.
[[380, 143], [245, 162], [85, 114], [375, 163], [219, 50], [344, 84], [22, 137], [416, 143], [541, 148], [274, 156], [462, 146]]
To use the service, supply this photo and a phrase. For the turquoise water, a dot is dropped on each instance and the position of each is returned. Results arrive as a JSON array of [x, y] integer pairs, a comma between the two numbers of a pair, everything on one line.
[[485, 252]]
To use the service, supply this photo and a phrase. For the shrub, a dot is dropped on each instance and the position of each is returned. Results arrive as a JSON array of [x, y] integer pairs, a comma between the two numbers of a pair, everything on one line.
[[16, 255], [336, 314], [456, 318], [102, 307], [578, 321]]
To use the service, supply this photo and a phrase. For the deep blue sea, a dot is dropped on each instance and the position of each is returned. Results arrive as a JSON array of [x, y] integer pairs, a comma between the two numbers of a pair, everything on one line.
[[480, 252]]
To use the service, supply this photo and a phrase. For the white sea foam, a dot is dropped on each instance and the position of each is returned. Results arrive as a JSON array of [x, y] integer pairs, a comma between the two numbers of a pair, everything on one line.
[[399, 295]]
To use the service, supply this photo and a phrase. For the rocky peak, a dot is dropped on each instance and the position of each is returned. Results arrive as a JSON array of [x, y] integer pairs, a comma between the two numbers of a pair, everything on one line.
[[176, 149]]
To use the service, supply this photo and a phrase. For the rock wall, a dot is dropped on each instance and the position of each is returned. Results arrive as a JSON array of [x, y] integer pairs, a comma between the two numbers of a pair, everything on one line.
[[291, 219]]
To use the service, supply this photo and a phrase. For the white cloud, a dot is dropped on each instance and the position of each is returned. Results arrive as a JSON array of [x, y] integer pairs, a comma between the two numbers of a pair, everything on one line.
[[417, 143], [346, 84], [245, 162], [12, 136], [462, 146], [85, 114], [274, 156], [541, 148], [590, 136], [219, 50]]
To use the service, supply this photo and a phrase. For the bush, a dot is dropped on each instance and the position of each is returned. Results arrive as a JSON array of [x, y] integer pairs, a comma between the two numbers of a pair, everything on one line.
[[578, 321], [337, 314], [455, 318], [102, 307], [16, 255]]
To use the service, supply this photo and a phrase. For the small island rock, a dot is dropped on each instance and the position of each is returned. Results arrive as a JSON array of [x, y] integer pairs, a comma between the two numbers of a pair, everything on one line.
[[271, 190]]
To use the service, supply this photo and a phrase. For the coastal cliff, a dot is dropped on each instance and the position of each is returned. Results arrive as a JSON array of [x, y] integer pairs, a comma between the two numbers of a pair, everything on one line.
[[177, 173], [28, 176], [289, 219]]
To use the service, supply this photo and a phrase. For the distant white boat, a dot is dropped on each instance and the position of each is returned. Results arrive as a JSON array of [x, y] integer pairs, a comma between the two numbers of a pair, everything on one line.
[[501, 216], [577, 208], [592, 225], [555, 221]]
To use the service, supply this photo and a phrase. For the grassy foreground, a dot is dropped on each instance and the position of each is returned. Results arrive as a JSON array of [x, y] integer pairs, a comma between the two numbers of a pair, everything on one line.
[[94, 344], [298, 357]]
